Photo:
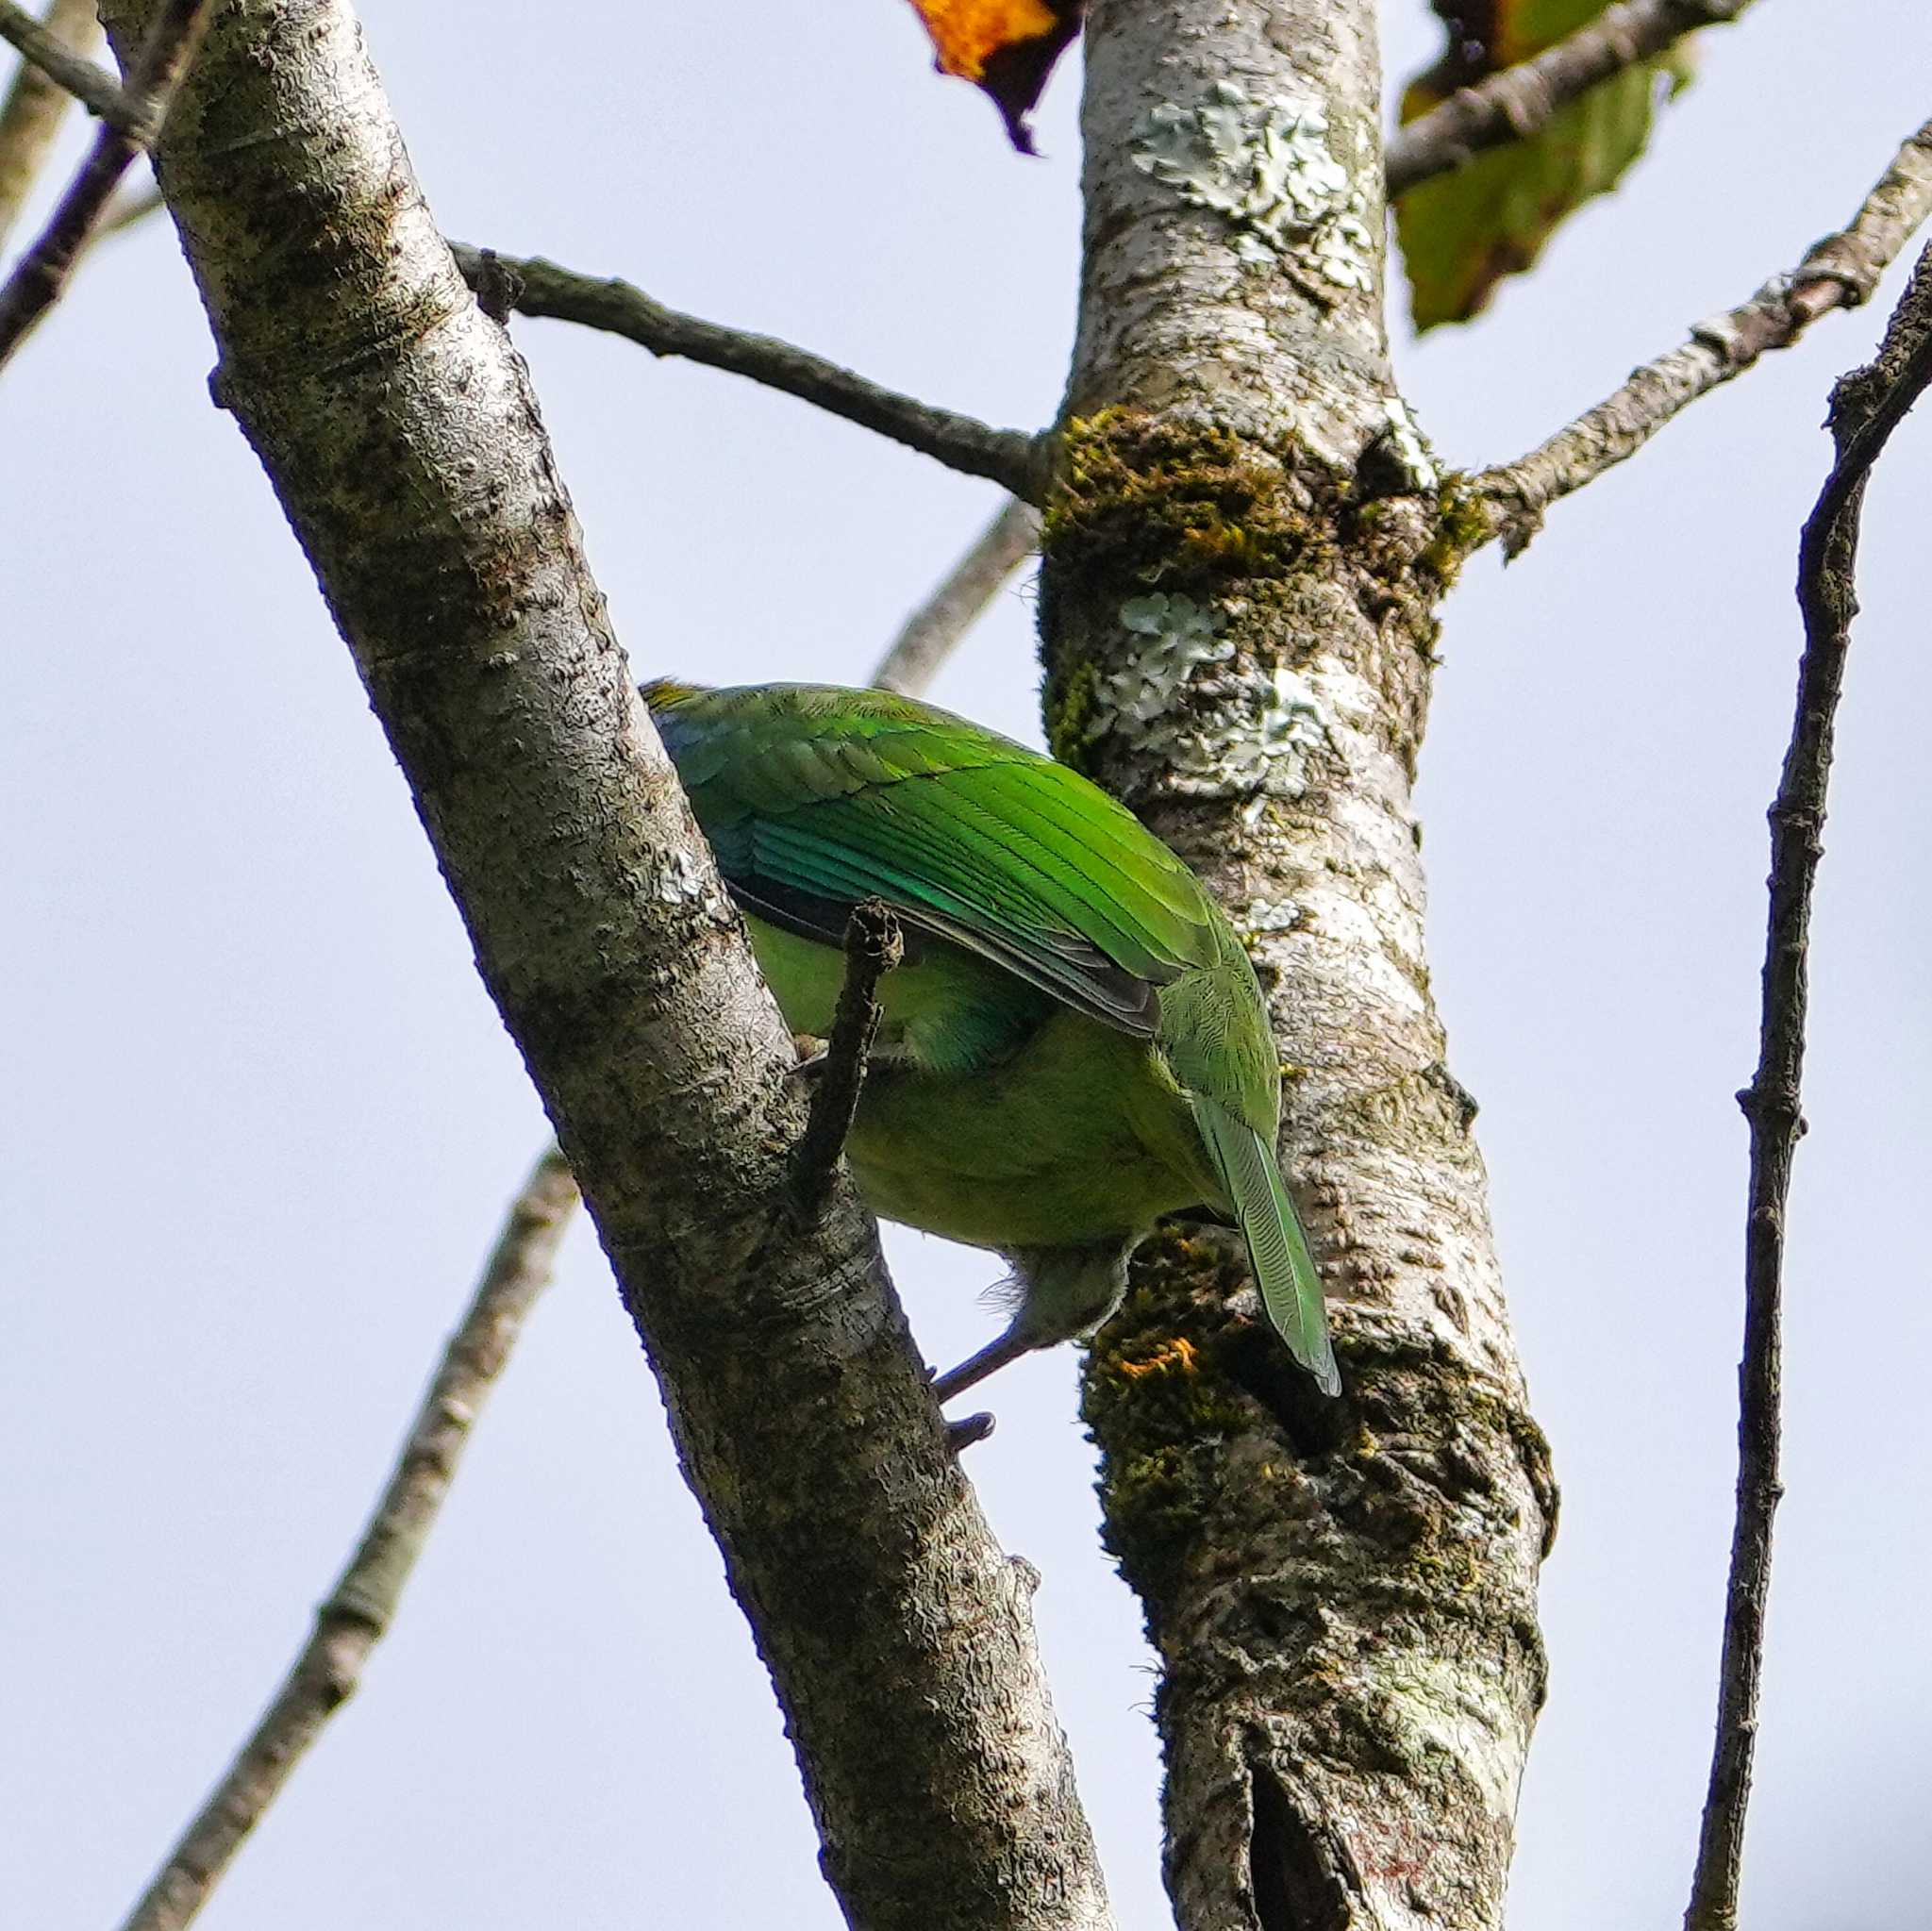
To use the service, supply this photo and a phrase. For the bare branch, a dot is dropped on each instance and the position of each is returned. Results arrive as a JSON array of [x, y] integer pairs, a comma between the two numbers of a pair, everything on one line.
[[51, 47], [326, 1673], [873, 947], [357, 1610], [932, 630], [898, 1637], [36, 104], [1521, 100], [1866, 406], [1007, 457], [1836, 272], [43, 273]]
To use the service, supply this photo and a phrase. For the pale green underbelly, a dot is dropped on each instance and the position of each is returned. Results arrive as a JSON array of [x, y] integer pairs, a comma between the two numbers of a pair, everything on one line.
[[1079, 1137], [999, 1117]]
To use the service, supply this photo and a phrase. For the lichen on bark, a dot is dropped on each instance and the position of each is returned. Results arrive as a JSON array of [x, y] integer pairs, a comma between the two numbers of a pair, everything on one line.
[[1246, 545]]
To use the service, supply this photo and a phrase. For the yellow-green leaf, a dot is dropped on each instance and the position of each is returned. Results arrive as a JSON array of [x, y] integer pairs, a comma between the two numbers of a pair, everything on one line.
[[1462, 233]]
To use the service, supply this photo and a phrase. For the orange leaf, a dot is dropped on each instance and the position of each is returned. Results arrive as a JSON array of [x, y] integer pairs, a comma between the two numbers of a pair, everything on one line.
[[1008, 47]]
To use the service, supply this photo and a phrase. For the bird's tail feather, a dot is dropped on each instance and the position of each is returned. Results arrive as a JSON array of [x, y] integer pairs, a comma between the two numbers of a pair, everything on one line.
[[1278, 1249]]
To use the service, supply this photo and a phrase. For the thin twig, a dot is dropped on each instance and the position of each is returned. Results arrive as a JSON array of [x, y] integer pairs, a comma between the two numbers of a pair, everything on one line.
[[43, 273], [1521, 101], [36, 105], [933, 629], [1007, 457], [1838, 272], [1866, 406], [128, 208], [359, 1607], [873, 947], [50, 46]]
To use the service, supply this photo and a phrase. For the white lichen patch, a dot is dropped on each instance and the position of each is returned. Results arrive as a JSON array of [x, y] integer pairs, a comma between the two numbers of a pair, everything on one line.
[[1270, 915], [1406, 440], [1268, 169], [1244, 733], [1179, 634], [679, 880]]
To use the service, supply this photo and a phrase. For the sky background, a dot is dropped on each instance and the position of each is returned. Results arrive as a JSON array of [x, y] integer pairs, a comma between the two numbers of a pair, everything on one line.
[[261, 1121]]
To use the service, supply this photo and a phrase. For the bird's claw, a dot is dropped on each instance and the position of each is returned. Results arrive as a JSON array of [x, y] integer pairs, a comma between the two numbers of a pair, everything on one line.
[[962, 1434]]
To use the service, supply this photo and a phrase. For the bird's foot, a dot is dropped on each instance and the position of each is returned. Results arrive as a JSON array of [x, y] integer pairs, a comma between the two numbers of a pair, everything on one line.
[[961, 1434]]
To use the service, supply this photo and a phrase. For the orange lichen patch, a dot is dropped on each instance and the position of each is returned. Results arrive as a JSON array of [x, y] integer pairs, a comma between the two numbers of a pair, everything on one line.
[[1177, 1354]]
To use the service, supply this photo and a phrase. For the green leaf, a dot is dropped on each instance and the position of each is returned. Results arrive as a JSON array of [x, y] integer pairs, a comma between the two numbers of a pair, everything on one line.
[[1462, 233]]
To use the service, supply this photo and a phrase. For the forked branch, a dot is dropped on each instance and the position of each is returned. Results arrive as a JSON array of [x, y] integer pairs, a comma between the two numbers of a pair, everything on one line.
[[1836, 272], [35, 103], [46, 48], [1866, 406], [42, 275]]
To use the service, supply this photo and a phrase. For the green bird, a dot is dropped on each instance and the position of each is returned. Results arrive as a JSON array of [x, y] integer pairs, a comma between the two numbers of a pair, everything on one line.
[[1073, 1044]]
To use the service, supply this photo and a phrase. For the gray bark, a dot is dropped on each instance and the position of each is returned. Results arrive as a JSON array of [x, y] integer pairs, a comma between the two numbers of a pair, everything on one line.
[[401, 434], [1243, 554]]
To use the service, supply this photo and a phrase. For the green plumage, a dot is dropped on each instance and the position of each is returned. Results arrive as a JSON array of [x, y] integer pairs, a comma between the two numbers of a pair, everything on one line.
[[1075, 1045]]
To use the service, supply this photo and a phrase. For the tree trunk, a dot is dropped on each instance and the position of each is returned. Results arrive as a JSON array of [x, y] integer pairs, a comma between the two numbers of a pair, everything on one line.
[[1243, 556], [402, 436]]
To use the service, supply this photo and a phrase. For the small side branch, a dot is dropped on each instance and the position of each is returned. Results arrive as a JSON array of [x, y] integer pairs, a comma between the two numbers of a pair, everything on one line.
[[43, 45], [933, 629], [1865, 409], [358, 1609], [42, 275], [1521, 100], [873, 947], [1006, 456], [35, 105], [1838, 272]]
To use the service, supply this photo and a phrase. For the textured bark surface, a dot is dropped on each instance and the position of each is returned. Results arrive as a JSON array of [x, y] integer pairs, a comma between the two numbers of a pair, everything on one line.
[[401, 434], [1242, 559]]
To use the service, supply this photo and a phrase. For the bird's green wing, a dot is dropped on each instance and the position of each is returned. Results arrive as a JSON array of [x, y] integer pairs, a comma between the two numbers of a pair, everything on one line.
[[815, 797]]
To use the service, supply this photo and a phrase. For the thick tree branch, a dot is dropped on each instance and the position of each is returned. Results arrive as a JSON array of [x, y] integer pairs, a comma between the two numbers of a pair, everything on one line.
[[1006, 456], [1836, 272], [1521, 100], [1866, 407], [355, 1614], [51, 47], [401, 434], [931, 632], [362, 1604], [41, 276], [36, 104], [1341, 1595]]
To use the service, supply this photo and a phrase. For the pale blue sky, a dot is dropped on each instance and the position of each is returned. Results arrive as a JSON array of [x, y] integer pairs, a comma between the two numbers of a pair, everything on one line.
[[263, 1120]]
